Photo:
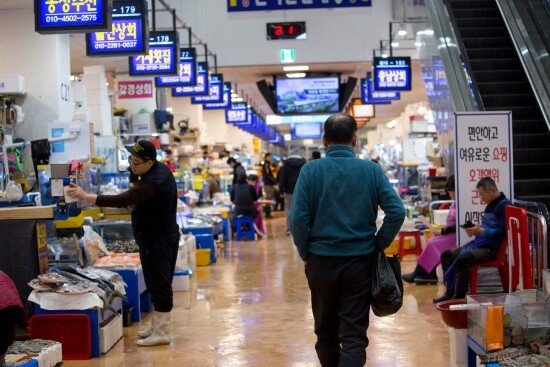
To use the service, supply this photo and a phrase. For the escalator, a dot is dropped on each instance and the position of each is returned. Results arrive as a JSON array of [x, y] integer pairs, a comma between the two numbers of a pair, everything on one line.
[[499, 77]]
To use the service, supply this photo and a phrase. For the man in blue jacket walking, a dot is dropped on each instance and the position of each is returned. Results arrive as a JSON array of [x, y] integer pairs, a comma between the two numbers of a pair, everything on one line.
[[333, 224]]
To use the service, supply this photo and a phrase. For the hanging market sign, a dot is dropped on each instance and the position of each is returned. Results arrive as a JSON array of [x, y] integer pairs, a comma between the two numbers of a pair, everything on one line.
[[188, 71], [129, 34], [254, 5], [215, 94], [72, 16], [392, 73], [162, 58], [200, 89], [226, 103]]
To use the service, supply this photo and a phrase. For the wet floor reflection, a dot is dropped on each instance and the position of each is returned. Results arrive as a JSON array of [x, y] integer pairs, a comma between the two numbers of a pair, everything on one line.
[[252, 308]]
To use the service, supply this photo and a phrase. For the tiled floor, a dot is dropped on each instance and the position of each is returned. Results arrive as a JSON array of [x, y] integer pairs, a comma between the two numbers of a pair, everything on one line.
[[252, 308]]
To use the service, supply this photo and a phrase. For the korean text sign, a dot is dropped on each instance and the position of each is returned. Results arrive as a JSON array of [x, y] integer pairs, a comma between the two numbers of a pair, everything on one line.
[[135, 89], [72, 16], [483, 149]]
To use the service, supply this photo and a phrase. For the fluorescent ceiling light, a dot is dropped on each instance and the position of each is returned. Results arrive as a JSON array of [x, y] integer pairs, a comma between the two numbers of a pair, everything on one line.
[[384, 55], [418, 44], [296, 68], [429, 32], [402, 32], [295, 75], [238, 99], [395, 44]]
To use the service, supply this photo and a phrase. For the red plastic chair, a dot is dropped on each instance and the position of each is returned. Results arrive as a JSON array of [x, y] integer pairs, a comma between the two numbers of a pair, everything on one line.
[[417, 250], [516, 262], [501, 263]]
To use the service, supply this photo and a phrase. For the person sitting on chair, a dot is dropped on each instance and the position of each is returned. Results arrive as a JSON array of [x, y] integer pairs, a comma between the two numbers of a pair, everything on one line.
[[243, 196], [442, 240], [483, 248]]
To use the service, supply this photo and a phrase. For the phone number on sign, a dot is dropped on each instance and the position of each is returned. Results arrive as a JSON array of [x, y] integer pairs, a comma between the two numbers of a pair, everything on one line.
[[71, 18], [127, 44]]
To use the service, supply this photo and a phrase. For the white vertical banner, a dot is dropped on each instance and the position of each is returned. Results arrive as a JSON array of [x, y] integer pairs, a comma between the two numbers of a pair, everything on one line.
[[483, 142]]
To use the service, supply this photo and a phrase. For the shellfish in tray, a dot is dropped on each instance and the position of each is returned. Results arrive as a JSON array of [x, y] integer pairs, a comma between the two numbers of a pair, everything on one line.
[[38, 286], [52, 278]]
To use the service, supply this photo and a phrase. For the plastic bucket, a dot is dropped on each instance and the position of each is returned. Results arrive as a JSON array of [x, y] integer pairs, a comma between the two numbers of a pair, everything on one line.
[[127, 316], [203, 256]]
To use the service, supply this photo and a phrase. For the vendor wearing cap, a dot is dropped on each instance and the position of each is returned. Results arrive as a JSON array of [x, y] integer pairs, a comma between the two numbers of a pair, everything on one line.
[[154, 201]]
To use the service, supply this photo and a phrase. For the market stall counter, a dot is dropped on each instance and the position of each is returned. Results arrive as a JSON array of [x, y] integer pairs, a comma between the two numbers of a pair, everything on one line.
[[25, 255]]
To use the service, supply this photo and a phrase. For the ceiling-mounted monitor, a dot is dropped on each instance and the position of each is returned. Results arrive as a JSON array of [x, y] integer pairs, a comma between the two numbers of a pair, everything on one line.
[[392, 73], [307, 95], [306, 131]]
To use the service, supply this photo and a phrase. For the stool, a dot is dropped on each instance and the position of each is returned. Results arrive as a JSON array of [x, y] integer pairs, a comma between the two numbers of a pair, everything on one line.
[[244, 233], [417, 250]]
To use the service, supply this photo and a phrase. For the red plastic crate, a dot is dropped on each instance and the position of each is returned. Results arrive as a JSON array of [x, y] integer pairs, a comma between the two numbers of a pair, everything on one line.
[[73, 331]]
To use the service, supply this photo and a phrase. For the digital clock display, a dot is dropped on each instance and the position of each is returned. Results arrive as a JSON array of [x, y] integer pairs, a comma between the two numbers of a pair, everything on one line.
[[56, 17], [129, 33], [289, 30]]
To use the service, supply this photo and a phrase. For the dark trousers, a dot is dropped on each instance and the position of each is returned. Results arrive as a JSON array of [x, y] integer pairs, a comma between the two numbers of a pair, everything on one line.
[[340, 298], [158, 256], [464, 258]]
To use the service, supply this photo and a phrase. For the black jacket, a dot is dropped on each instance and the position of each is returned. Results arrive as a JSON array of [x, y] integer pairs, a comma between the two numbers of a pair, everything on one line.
[[289, 173], [158, 214], [267, 174], [238, 169], [243, 196]]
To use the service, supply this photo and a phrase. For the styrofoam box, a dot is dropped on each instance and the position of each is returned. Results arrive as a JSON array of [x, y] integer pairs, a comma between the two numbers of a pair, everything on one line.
[[110, 334], [458, 348], [12, 84], [49, 357], [180, 282]]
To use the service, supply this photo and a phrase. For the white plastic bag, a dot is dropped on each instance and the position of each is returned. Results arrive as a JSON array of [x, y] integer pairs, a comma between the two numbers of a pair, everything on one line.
[[92, 244], [14, 192]]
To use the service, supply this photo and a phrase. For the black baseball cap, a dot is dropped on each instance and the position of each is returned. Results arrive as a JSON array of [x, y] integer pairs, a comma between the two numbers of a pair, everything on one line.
[[143, 149]]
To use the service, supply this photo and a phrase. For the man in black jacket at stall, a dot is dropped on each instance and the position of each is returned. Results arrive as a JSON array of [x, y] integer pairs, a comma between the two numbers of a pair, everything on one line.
[[238, 169], [288, 176], [154, 201], [269, 182]]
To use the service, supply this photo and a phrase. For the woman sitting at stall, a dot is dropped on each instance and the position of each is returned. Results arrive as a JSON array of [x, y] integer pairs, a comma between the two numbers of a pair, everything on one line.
[[243, 197], [443, 240]]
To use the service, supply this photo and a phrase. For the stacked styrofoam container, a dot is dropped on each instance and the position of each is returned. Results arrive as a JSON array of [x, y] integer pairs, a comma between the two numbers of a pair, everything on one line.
[[51, 356], [110, 334], [97, 98], [185, 263]]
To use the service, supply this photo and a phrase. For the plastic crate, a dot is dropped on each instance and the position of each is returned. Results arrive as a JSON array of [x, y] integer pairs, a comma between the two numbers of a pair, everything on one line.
[[73, 331]]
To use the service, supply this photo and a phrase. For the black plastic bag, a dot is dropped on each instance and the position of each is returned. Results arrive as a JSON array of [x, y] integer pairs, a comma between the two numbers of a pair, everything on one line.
[[387, 285]]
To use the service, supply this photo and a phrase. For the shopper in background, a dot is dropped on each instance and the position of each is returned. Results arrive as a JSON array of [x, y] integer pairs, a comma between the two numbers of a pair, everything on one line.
[[156, 232], [288, 176], [442, 240], [315, 155], [333, 224], [243, 196], [237, 169], [279, 199], [483, 248], [168, 160], [269, 182]]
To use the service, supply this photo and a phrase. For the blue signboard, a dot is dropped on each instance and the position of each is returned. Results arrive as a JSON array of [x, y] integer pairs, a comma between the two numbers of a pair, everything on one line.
[[129, 33], [254, 5], [370, 96], [162, 58], [188, 71], [200, 89], [226, 103], [215, 94], [392, 73], [72, 16], [237, 113]]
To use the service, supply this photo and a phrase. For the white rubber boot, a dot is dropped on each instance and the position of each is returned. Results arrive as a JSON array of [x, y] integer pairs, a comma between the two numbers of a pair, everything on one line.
[[147, 330], [161, 330]]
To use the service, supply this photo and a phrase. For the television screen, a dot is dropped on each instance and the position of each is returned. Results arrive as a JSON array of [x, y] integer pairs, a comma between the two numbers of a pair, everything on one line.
[[306, 131], [129, 34], [392, 73], [307, 95]]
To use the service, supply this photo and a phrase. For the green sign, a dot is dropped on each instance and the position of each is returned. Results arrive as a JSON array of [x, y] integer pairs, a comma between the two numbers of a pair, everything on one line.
[[287, 55]]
